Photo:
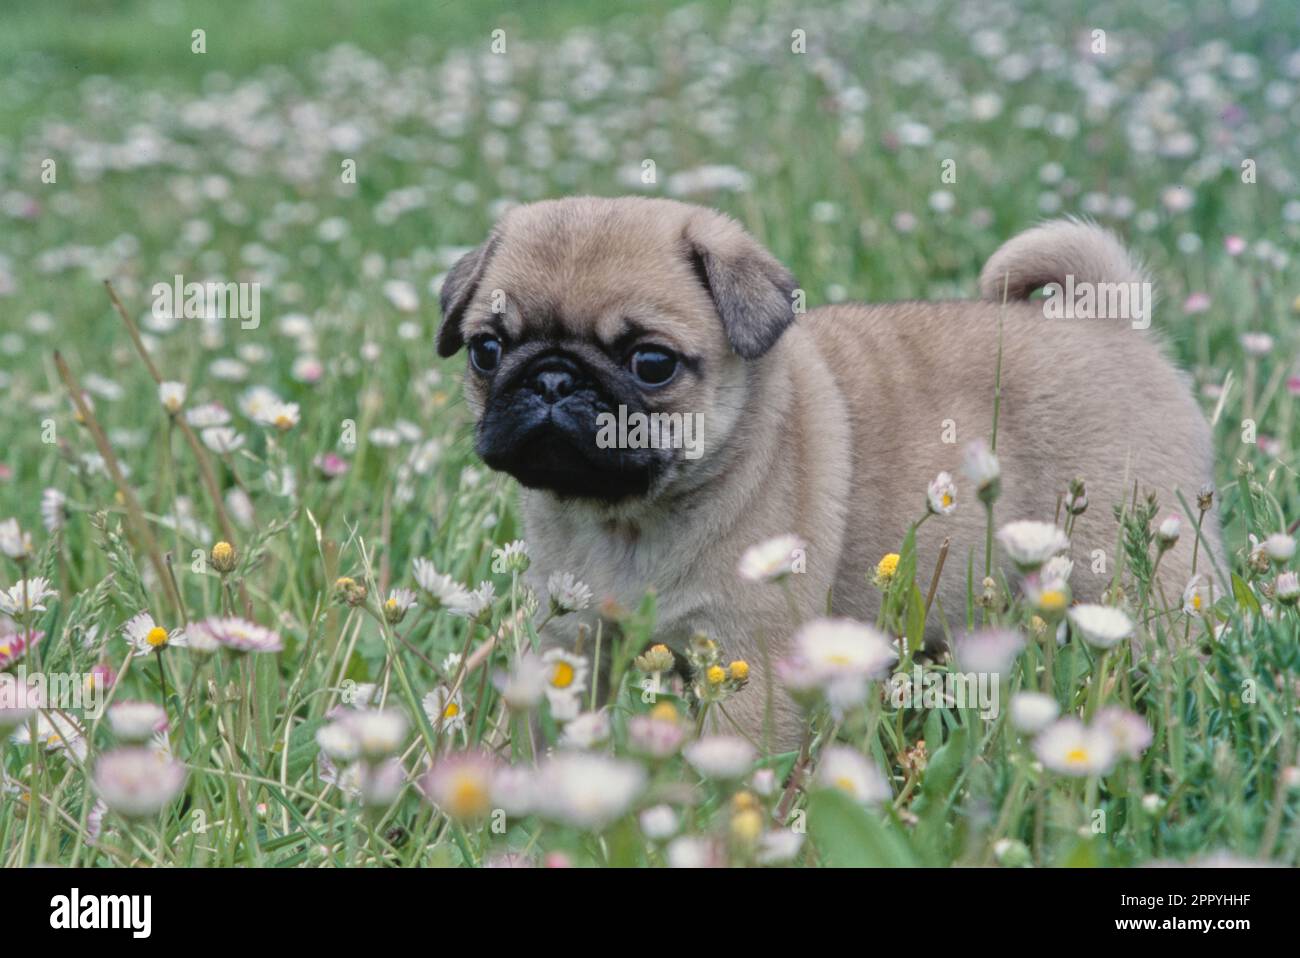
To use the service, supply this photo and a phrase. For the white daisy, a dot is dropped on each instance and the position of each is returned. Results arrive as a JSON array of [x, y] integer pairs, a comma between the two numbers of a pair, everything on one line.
[[724, 757], [566, 680], [442, 590], [26, 595], [771, 560], [53, 509], [511, 557], [941, 495], [136, 722], [136, 782], [445, 711], [14, 543], [258, 403], [1029, 544], [172, 395], [1101, 626], [222, 439], [658, 823], [524, 685], [587, 730], [991, 651], [693, 851], [338, 742], [207, 416], [587, 791], [1197, 596], [567, 593], [473, 604], [1129, 731], [55, 732], [1031, 712], [236, 635], [146, 635], [778, 847], [378, 732], [398, 603], [839, 657], [1071, 748], [849, 771]]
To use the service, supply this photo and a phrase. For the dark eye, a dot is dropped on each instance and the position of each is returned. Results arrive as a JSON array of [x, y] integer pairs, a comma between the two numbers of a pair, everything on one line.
[[652, 365], [485, 353]]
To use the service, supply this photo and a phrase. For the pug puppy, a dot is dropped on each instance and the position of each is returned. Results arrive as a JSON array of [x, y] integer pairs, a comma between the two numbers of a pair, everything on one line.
[[828, 425]]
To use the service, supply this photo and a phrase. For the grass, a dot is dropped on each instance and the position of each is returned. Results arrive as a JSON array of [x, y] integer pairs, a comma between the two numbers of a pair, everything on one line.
[[227, 165]]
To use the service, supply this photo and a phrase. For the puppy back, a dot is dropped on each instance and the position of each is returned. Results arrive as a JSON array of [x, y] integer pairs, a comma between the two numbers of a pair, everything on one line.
[[1051, 252]]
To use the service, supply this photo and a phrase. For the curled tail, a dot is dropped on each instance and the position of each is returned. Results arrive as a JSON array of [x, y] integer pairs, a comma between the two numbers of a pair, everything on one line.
[[1052, 252]]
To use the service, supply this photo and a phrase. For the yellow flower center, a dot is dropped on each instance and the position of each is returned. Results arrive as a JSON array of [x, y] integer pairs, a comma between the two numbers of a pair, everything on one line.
[[1053, 600], [562, 676], [156, 637], [740, 670], [746, 826], [845, 784], [716, 675], [1196, 601], [451, 711], [946, 500], [887, 566], [391, 603], [468, 797], [5, 649], [1076, 756], [664, 712], [283, 421]]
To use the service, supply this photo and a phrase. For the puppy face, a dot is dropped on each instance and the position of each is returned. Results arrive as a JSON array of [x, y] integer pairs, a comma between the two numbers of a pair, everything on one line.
[[578, 310]]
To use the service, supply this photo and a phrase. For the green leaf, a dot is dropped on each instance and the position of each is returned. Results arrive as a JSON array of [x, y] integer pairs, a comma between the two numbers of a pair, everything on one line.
[[915, 619], [942, 769], [849, 836], [1245, 595], [302, 746]]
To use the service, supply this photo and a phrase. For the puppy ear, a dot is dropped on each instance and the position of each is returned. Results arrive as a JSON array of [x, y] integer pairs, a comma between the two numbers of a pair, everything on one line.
[[457, 291], [752, 292]]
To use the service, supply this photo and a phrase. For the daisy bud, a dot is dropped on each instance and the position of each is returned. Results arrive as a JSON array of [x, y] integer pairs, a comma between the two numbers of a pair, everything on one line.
[[658, 658], [223, 557], [349, 591], [982, 467], [1205, 497], [1168, 531], [1011, 853], [739, 670], [172, 396], [1279, 548], [1076, 500], [1287, 588], [886, 569]]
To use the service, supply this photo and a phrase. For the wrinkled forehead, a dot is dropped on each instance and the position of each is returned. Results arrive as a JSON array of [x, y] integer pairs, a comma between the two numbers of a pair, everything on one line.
[[565, 273]]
